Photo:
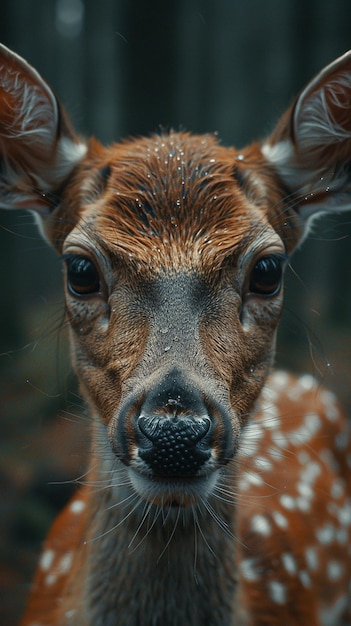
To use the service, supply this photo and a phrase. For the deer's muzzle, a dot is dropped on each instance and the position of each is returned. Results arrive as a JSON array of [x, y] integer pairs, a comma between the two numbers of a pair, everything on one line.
[[178, 430]]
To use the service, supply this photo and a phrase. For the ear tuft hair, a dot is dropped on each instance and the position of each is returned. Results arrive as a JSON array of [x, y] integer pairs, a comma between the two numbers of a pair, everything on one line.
[[311, 145], [38, 148]]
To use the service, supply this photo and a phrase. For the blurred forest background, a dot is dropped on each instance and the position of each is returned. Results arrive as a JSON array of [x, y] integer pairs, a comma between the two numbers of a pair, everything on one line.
[[126, 67]]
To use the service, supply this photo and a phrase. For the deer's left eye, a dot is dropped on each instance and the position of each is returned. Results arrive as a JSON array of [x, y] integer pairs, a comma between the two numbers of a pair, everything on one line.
[[266, 276], [82, 276]]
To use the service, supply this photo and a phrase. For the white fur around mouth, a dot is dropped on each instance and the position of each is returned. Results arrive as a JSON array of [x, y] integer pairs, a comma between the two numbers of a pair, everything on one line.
[[173, 492]]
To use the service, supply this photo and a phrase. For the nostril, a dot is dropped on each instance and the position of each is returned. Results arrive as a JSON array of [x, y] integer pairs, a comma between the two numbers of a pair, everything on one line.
[[174, 446]]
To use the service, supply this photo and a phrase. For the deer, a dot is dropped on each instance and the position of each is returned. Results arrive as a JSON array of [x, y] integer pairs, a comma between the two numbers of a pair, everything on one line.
[[218, 488]]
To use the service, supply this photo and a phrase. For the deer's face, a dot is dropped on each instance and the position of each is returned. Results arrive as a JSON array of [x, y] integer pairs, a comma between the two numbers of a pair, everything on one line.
[[174, 250], [174, 290]]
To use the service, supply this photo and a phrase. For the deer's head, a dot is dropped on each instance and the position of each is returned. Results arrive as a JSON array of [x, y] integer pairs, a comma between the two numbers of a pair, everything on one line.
[[174, 250]]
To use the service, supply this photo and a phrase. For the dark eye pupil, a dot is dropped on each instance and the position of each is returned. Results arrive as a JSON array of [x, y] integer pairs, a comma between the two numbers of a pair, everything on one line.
[[266, 276], [82, 276]]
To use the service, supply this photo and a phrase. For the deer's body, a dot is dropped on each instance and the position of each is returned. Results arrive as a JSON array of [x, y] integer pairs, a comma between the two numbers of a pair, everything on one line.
[[218, 493]]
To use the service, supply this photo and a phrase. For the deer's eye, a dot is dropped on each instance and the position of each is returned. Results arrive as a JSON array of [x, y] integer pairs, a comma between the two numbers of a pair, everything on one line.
[[266, 276], [82, 276]]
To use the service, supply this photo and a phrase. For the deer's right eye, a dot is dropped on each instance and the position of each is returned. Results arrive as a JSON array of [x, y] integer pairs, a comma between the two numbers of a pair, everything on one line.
[[82, 276], [266, 275]]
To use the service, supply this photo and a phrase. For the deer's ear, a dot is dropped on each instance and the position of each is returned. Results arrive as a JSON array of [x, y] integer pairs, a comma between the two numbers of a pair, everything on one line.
[[38, 148], [311, 145]]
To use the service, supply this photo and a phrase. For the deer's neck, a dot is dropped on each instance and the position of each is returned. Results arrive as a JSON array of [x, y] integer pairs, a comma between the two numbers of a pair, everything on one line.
[[155, 567]]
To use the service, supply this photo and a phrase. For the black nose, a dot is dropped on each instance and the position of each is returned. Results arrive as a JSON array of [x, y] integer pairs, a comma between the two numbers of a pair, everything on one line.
[[174, 429], [174, 446]]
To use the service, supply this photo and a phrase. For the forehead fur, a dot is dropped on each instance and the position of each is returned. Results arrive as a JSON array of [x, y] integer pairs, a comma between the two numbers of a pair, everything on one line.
[[171, 201]]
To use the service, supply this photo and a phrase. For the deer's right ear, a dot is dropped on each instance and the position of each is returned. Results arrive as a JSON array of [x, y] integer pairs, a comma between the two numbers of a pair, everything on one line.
[[311, 145], [38, 148]]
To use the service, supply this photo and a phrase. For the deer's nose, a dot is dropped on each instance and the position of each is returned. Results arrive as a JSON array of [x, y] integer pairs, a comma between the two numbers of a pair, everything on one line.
[[174, 446], [174, 430]]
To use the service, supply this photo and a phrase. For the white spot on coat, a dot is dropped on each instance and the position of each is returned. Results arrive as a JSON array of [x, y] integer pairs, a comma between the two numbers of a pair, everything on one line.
[[50, 580], [65, 563], [46, 560], [261, 525], [249, 569], [326, 534], [263, 464], [251, 478], [305, 579], [250, 440], [289, 563], [277, 592], [280, 519], [337, 489], [344, 515], [307, 382], [334, 570], [311, 558], [77, 506], [280, 379], [288, 502]]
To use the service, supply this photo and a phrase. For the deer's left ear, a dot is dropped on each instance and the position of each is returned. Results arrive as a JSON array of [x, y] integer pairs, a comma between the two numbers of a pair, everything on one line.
[[38, 148], [311, 145]]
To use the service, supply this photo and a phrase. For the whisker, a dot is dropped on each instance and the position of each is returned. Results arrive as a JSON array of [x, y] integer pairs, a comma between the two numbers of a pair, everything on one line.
[[157, 514], [145, 513], [133, 497], [198, 526], [171, 535]]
